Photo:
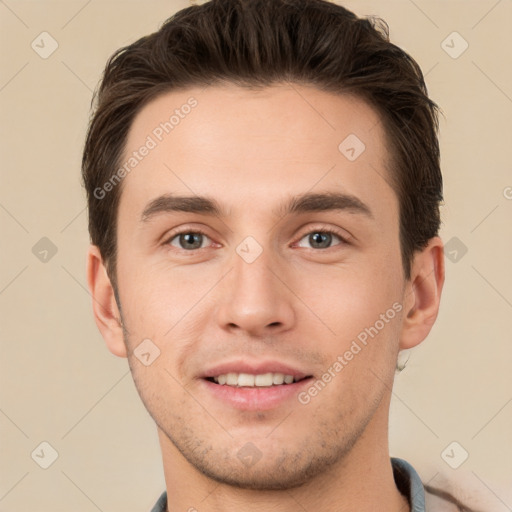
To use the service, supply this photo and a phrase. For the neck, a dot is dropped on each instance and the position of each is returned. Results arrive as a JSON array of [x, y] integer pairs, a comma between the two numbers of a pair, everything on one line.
[[363, 480]]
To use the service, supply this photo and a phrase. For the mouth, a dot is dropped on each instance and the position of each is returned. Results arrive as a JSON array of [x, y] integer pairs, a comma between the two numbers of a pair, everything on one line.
[[261, 380], [250, 385]]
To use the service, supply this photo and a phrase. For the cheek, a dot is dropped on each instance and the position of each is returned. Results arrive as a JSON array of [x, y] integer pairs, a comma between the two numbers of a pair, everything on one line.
[[160, 390], [156, 296], [348, 299], [172, 307]]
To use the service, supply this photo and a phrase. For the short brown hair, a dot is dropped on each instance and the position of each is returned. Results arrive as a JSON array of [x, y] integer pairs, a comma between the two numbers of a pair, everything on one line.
[[258, 43]]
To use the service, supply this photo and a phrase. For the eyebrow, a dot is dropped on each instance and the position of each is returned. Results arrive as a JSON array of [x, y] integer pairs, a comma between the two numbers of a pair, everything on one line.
[[304, 203]]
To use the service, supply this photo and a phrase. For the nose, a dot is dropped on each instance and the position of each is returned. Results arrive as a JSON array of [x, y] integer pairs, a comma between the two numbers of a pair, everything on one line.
[[255, 300]]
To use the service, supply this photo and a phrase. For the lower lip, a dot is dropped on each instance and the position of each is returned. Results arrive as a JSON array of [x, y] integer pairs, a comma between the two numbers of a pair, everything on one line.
[[257, 398]]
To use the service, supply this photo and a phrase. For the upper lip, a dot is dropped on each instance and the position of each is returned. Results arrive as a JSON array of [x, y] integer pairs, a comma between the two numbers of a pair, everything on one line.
[[254, 367]]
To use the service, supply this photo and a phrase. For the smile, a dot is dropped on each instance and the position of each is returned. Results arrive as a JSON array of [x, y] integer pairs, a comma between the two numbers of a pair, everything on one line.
[[249, 380]]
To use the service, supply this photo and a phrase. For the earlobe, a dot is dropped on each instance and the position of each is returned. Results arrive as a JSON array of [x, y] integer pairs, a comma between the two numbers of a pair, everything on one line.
[[423, 295], [106, 312]]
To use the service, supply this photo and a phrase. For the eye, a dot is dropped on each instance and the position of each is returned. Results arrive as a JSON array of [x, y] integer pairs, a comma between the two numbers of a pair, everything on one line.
[[320, 239], [189, 240]]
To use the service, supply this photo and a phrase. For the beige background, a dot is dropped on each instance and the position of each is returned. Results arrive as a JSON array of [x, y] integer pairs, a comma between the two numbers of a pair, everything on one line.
[[59, 383]]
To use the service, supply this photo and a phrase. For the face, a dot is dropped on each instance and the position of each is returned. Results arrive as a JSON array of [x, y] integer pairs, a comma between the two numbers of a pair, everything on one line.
[[253, 249]]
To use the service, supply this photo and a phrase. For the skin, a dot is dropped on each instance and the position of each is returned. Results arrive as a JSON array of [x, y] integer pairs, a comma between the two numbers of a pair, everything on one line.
[[297, 303]]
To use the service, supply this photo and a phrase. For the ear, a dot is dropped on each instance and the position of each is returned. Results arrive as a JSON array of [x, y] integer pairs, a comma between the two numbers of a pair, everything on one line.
[[106, 312], [423, 294]]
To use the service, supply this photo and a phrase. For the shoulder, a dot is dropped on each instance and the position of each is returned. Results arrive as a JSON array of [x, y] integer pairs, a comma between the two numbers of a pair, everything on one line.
[[439, 500], [424, 498], [161, 504]]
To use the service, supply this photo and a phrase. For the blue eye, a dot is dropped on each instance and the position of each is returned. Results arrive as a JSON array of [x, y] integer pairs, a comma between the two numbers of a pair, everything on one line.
[[320, 239], [189, 240]]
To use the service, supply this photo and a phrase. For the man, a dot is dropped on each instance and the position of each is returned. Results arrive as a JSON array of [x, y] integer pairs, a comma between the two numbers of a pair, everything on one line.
[[263, 186]]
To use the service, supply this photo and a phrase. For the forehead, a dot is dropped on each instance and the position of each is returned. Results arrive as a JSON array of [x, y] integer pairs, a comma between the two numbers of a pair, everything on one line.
[[248, 147]]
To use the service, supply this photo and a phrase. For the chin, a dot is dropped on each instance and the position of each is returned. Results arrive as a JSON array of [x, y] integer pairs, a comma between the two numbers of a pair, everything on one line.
[[274, 468], [265, 478]]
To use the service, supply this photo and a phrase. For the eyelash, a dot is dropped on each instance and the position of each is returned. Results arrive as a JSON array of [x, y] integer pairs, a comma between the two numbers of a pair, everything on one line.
[[195, 231], [328, 231], [198, 231]]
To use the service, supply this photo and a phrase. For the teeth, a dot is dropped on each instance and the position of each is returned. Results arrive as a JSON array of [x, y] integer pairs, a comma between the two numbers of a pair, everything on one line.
[[278, 378], [232, 379], [250, 381], [246, 379], [265, 379]]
